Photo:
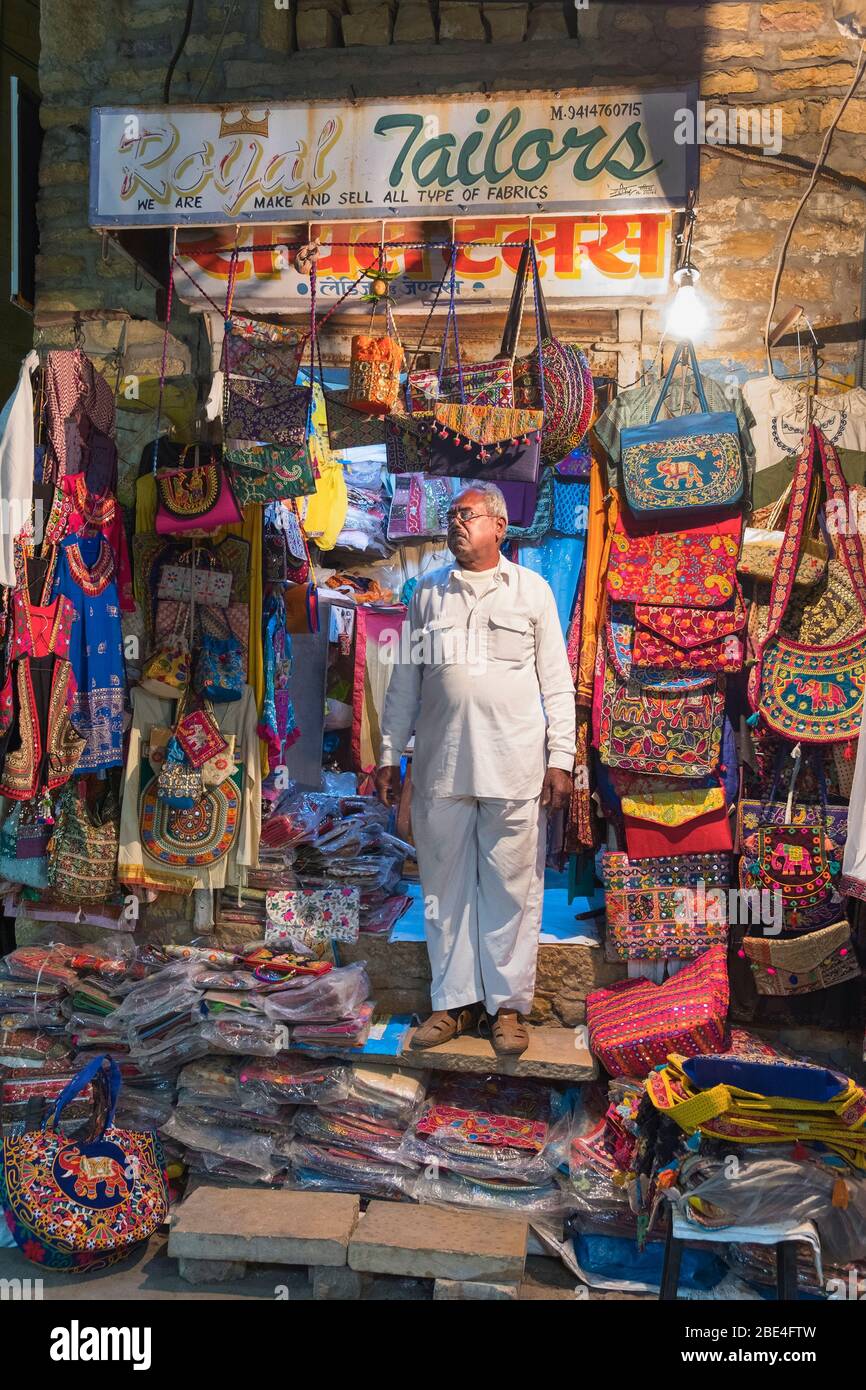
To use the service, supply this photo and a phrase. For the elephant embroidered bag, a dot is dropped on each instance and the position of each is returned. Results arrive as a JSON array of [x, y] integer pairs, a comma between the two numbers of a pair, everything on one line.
[[81, 1204], [689, 464], [804, 692]]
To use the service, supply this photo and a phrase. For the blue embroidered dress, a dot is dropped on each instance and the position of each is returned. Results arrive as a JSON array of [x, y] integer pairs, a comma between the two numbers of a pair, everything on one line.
[[86, 576]]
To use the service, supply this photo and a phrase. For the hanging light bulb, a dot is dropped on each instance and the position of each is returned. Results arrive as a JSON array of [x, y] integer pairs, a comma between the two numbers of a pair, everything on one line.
[[687, 315]]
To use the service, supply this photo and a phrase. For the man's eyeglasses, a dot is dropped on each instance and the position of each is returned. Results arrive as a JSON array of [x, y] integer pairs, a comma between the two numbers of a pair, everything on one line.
[[462, 514]]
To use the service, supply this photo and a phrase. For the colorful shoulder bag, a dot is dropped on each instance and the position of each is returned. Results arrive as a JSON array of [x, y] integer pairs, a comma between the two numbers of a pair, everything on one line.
[[817, 960], [665, 908], [695, 567], [80, 1205], [689, 464], [803, 692], [196, 498]]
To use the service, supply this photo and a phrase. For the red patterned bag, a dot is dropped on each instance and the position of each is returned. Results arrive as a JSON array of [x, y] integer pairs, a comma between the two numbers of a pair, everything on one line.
[[695, 567], [634, 1024], [700, 639]]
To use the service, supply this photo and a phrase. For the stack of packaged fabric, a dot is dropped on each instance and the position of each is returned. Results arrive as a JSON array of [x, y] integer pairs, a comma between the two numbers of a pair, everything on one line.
[[354, 1142], [224, 1128], [491, 1142]]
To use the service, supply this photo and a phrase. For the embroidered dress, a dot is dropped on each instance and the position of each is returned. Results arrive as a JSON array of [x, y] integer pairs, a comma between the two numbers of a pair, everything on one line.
[[80, 512], [85, 576], [47, 748]]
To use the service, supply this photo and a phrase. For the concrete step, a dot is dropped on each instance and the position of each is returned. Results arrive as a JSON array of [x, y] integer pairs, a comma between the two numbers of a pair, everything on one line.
[[263, 1226], [433, 1243]]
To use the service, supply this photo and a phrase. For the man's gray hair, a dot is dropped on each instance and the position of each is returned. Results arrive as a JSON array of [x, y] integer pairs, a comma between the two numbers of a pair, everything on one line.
[[496, 505]]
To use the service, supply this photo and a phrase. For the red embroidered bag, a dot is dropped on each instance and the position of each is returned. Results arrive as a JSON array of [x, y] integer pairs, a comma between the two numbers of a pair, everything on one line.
[[695, 567], [704, 639], [634, 1024]]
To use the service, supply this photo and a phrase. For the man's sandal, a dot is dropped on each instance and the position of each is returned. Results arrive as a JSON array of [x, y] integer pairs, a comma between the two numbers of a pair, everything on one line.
[[443, 1025], [509, 1034]]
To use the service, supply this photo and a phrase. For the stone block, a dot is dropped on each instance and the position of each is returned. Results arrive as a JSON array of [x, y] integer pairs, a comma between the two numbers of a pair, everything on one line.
[[507, 24], [414, 24], [853, 120], [275, 26], [815, 48], [709, 17], [332, 1284], [317, 29], [828, 75], [474, 1291], [71, 171], [370, 28], [264, 1226], [210, 1271], [430, 1243], [359, 6], [547, 22], [462, 23], [733, 82], [793, 16]]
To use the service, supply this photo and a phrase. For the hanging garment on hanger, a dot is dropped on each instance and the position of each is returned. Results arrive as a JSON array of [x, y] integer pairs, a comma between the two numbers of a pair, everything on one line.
[[73, 387], [17, 445], [85, 576]]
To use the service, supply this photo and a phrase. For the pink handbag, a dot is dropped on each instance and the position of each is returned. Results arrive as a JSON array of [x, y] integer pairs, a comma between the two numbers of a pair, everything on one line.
[[635, 1024], [194, 499]]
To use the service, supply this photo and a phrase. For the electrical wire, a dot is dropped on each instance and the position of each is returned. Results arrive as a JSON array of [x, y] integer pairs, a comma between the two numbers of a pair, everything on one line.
[[230, 9], [175, 57], [780, 267]]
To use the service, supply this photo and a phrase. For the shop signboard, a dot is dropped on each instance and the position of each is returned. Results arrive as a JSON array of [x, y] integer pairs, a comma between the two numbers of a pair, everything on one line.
[[546, 152], [608, 255]]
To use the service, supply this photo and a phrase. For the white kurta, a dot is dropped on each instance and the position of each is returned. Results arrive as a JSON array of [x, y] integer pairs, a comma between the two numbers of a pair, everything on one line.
[[16, 467], [484, 681]]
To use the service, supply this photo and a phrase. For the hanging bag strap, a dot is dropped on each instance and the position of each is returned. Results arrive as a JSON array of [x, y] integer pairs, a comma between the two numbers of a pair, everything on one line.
[[80, 1082], [451, 323], [789, 551], [683, 349]]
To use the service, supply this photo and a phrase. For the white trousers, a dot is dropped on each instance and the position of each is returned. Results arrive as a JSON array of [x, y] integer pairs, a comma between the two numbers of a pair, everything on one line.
[[481, 865]]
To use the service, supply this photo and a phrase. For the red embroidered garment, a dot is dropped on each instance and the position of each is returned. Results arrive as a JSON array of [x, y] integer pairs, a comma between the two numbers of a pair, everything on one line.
[[480, 1127], [701, 639]]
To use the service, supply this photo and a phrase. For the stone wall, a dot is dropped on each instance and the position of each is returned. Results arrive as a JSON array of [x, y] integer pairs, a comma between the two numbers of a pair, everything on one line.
[[784, 54]]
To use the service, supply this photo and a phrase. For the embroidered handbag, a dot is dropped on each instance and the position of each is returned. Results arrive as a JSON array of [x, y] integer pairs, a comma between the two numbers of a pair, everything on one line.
[[681, 466], [349, 428], [167, 671], [219, 671], [816, 960], [692, 568], [664, 908], [762, 542], [194, 499], [213, 772], [419, 506], [266, 473], [320, 913], [82, 1204], [567, 393], [673, 730], [407, 441], [808, 693], [82, 852], [483, 383], [374, 372], [193, 838], [662, 817], [271, 351], [489, 442], [24, 846], [634, 1024], [266, 412], [702, 639], [198, 734], [181, 583], [798, 864]]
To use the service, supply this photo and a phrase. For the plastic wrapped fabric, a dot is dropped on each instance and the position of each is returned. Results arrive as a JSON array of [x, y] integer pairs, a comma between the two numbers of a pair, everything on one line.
[[236, 1144], [327, 998], [454, 1189], [277, 1128], [29, 1047], [377, 1141], [767, 1187], [345, 1170], [384, 1093], [483, 1161], [170, 991], [216, 1165], [296, 1081], [247, 1037]]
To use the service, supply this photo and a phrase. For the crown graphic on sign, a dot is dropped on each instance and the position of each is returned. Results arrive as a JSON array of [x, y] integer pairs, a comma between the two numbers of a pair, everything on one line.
[[243, 124]]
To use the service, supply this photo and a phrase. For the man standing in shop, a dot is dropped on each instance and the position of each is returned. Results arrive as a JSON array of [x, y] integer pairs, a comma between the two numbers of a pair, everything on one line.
[[482, 652]]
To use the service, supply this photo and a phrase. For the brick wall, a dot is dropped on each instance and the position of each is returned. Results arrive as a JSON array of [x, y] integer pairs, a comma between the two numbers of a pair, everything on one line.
[[782, 53]]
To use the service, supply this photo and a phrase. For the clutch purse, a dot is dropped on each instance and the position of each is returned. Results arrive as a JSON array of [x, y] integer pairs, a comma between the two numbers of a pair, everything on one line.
[[664, 908], [325, 914], [485, 442], [695, 567], [817, 960]]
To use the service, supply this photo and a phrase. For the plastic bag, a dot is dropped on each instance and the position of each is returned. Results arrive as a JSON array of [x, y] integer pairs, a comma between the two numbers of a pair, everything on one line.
[[322, 999], [250, 1039], [384, 1093], [367, 1137], [453, 1189], [236, 1144], [295, 1080], [342, 1170]]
